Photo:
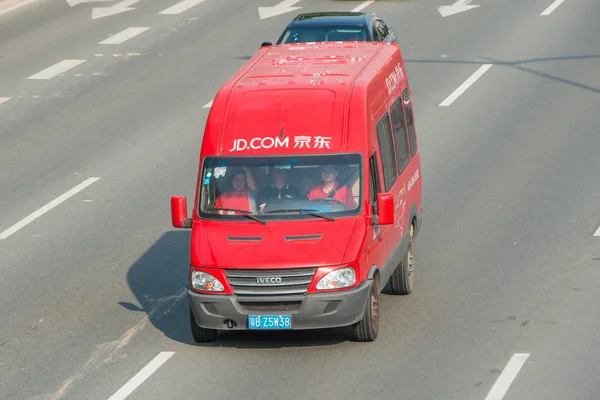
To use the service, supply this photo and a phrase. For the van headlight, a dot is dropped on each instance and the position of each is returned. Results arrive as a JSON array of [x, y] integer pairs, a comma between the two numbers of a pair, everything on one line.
[[206, 282], [337, 279]]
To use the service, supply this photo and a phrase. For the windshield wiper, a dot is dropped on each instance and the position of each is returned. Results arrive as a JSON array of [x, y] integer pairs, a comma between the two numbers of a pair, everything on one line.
[[311, 212], [245, 213]]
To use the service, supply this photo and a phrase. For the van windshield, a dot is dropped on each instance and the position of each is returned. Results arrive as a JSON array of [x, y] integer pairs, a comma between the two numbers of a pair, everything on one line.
[[282, 187]]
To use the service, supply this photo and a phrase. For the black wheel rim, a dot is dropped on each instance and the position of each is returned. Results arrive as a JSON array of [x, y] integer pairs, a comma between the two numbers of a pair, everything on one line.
[[374, 310]]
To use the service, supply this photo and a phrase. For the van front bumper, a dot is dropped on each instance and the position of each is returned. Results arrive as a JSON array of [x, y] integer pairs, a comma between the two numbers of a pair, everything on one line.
[[309, 311]]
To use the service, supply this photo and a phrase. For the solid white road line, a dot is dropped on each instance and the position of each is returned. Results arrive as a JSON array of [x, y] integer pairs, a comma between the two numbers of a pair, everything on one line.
[[4, 99], [466, 84], [181, 7], [56, 69], [31, 217], [363, 5], [141, 376], [552, 7], [507, 376], [14, 7], [208, 105], [125, 35]]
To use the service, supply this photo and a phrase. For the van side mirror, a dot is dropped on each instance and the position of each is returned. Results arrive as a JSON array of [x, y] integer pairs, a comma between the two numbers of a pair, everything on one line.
[[385, 208], [179, 217], [263, 44]]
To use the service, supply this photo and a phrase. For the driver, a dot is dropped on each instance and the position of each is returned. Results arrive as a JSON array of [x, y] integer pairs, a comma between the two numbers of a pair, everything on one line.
[[279, 189], [330, 188]]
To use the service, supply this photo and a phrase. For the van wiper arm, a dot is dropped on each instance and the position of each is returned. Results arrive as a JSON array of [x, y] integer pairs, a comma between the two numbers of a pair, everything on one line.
[[243, 212], [311, 212]]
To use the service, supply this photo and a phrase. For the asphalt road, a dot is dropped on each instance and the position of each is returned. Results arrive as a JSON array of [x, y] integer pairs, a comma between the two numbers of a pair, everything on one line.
[[92, 290]]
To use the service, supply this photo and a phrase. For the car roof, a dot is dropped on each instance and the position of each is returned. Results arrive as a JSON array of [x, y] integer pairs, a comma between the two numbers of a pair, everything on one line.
[[331, 18]]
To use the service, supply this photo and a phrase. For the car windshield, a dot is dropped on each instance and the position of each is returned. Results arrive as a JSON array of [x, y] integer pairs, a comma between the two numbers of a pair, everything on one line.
[[282, 187], [299, 34]]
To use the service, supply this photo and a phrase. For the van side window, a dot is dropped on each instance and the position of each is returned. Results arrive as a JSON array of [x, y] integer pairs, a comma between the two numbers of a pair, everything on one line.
[[410, 120], [374, 182], [384, 135], [400, 137]]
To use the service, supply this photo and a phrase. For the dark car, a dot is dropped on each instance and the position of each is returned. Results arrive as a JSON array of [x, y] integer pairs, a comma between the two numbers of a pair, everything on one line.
[[336, 27]]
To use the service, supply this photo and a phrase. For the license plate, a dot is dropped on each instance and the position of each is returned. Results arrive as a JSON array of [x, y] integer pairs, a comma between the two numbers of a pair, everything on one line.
[[270, 322]]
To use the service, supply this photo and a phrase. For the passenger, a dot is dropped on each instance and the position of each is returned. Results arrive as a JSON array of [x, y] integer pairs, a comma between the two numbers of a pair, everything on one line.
[[241, 197], [330, 184], [279, 189]]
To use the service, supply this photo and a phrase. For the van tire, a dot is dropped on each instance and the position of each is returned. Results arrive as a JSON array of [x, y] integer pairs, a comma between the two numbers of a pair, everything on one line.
[[402, 280], [200, 334], [368, 329]]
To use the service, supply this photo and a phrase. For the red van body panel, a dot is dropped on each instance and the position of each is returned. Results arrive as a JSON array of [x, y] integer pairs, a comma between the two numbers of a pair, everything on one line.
[[223, 248], [298, 100]]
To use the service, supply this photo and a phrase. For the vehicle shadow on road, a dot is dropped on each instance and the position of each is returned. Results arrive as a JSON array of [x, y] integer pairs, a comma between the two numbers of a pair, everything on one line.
[[280, 340], [520, 65], [158, 280]]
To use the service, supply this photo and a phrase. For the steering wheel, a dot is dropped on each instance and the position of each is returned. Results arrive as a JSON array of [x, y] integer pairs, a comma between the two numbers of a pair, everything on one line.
[[328, 199]]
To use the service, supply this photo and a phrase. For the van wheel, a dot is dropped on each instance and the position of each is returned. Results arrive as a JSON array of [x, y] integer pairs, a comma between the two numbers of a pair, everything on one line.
[[402, 280], [201, 334], [368, 329]]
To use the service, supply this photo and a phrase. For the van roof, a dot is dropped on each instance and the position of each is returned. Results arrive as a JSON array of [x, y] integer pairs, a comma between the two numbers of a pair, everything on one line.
[[329, 64], [294, 90]]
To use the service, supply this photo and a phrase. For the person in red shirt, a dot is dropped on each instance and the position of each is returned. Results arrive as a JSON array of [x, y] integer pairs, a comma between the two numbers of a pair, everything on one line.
[[329, 175], [240, 198]]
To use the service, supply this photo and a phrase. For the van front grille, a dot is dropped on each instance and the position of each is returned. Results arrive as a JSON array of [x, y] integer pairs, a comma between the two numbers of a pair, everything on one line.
[[269, 282]]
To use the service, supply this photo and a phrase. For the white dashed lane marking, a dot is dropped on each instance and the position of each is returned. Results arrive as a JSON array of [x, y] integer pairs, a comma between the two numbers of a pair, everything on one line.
[[14, 7], [507, 376], [4, 99], [36, 214], [466, 84], [552, 7], [125, 35], [363, 5], [141, 376], [208, 105], [57, 69], [181, 7]]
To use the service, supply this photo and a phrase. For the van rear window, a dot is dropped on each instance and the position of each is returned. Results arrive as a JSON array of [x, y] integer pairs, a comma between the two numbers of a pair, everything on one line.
[[282, 187]]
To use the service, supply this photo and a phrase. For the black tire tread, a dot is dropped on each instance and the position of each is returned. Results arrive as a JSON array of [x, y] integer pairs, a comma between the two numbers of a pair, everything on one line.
[[363, 330], [399, 281]]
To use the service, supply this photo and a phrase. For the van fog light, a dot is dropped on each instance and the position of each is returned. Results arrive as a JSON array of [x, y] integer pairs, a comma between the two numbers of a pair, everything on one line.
[[340, 278], [207, 282]]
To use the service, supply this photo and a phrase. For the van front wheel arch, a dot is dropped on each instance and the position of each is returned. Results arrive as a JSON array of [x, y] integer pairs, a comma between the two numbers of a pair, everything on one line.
[[402, 280]]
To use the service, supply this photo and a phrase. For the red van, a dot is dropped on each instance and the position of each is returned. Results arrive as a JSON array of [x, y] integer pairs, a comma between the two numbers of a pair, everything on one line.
[[308, 197]]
